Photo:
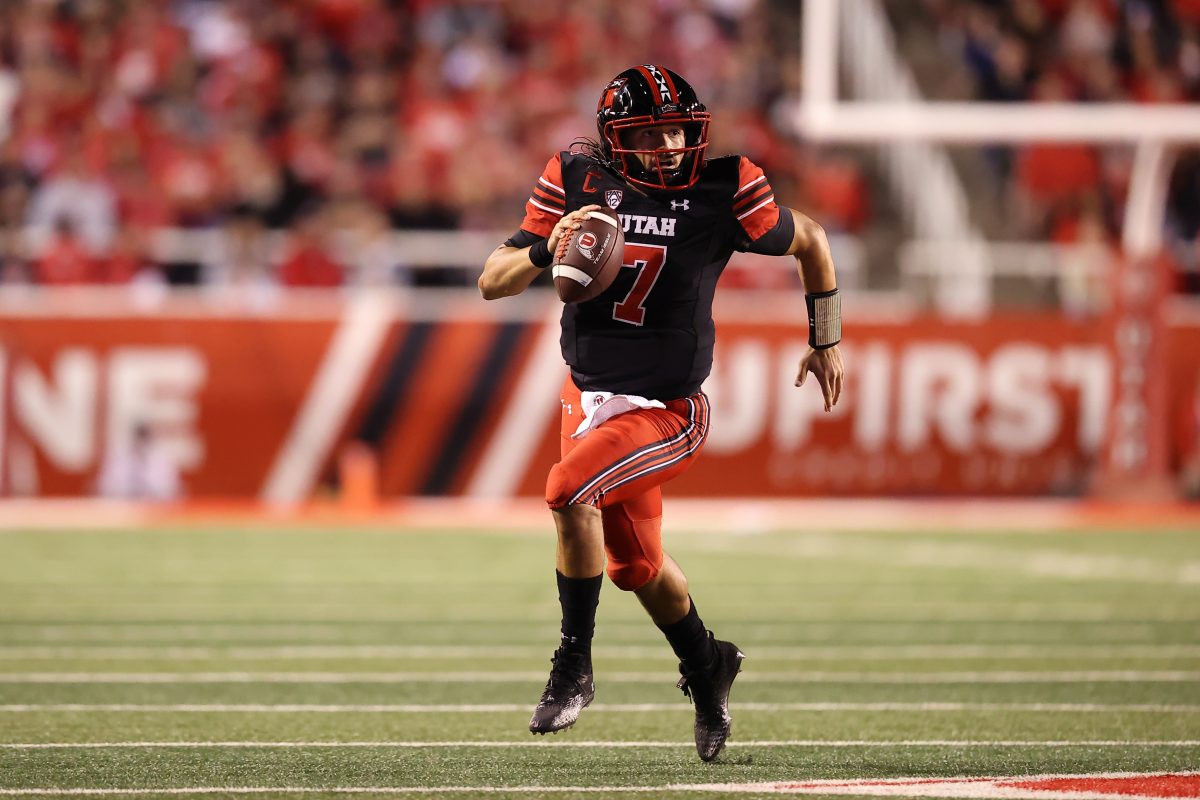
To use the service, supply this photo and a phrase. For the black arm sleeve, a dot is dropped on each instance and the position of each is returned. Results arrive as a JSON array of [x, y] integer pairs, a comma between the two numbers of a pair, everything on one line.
[[522, 239], [778, 240]]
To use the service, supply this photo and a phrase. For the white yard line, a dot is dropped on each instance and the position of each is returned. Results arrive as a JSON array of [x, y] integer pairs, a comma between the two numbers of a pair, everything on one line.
[[911, 787], [137, 614], [997, 677], [507, 708], [338, 620], [616, 744], [433, 651], [941, 552], [369, 790], [251, 631], [914, 786]]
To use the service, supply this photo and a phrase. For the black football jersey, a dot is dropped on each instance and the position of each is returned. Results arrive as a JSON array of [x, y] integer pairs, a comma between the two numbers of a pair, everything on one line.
[[651, 333]]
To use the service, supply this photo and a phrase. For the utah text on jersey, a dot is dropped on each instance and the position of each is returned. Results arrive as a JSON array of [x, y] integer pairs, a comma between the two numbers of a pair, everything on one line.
[[651, 226]]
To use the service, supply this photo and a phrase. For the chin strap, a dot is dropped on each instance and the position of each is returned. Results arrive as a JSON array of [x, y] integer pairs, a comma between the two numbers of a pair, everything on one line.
[[634, 169], [824, 319]]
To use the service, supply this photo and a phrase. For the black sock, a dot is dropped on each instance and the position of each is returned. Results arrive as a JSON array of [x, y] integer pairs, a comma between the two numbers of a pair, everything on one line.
[[690, 640], [578, 598]]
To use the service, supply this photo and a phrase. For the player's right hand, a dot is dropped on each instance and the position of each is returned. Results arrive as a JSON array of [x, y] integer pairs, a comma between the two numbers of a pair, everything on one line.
[[568, 222]]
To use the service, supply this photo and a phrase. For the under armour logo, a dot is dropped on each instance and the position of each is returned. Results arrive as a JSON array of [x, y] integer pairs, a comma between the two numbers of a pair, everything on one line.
[[676, 205]]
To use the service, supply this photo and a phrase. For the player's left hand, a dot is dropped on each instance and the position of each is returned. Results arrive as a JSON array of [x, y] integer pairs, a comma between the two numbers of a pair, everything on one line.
[[827, 366]]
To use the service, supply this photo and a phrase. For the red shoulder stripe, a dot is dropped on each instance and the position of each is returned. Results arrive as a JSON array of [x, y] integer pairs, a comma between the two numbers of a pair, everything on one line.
[[769, 199], [752, 198], [760, 218], [552, 174], [544, 208], [749, 176], [747, 189], [550, 187], [754, 201], [549, 199]]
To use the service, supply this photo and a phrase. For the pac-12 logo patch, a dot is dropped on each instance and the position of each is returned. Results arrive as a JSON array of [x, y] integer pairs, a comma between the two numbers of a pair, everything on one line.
[[586, 243], [613, 198]]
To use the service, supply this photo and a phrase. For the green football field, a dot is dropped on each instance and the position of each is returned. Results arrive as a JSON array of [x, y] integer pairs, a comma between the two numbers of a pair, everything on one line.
[[342, 663]]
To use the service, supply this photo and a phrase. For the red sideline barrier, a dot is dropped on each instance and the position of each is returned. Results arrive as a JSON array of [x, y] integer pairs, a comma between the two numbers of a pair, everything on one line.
[[457, 402]]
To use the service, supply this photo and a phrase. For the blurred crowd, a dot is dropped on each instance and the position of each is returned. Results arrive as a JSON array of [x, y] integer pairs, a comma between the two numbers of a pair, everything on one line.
[[306, 131], [1089, 51], [1144, 51], [284, 142]]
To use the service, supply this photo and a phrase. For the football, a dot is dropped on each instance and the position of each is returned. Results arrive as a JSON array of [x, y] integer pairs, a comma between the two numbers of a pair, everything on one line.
[[587, 260]]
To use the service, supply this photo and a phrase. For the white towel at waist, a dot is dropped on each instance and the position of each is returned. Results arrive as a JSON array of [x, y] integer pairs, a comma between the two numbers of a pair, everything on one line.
[[599, 407]]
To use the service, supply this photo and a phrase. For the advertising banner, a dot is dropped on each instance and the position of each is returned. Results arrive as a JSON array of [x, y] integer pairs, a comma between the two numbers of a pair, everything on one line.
[[459, 402]]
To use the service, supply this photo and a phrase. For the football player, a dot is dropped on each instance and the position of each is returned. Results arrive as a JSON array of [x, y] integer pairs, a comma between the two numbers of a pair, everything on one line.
[[633, 414]]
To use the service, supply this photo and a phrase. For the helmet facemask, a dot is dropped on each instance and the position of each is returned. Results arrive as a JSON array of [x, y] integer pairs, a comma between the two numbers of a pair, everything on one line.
[[626, 159]]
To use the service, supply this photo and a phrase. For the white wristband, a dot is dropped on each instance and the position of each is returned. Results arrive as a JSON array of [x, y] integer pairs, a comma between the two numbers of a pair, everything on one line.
[[824, 319]]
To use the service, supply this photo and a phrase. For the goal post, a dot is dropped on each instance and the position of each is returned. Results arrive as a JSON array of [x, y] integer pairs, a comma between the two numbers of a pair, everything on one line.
[[1134, 462], [874, 122]]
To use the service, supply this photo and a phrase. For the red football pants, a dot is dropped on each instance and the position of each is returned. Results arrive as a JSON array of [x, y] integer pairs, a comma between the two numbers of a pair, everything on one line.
[[619, 467]]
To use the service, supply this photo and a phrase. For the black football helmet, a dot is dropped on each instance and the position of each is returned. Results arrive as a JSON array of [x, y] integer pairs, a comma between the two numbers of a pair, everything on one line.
[[646, 96]]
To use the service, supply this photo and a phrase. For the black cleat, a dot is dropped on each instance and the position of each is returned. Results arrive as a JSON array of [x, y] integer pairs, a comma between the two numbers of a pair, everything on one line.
[[569, 691], [709, 692]]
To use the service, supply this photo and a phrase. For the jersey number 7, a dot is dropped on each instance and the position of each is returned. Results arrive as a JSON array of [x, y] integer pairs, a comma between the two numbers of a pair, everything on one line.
[[648, 260]]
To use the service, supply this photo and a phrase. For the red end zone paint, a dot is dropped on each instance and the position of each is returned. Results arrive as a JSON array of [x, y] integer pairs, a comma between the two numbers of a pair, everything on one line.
[[1097, 786], [1146, 786]]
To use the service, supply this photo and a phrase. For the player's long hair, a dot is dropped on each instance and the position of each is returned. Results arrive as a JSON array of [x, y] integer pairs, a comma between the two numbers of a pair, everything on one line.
[[594, 150]]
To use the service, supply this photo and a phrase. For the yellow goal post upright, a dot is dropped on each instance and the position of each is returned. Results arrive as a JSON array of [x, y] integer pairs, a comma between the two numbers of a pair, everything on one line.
[[1135, 460]]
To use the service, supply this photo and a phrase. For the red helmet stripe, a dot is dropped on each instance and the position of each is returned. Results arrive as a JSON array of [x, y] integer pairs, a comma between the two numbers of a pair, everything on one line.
[[606, 99], [653, 84], [670, 85]]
